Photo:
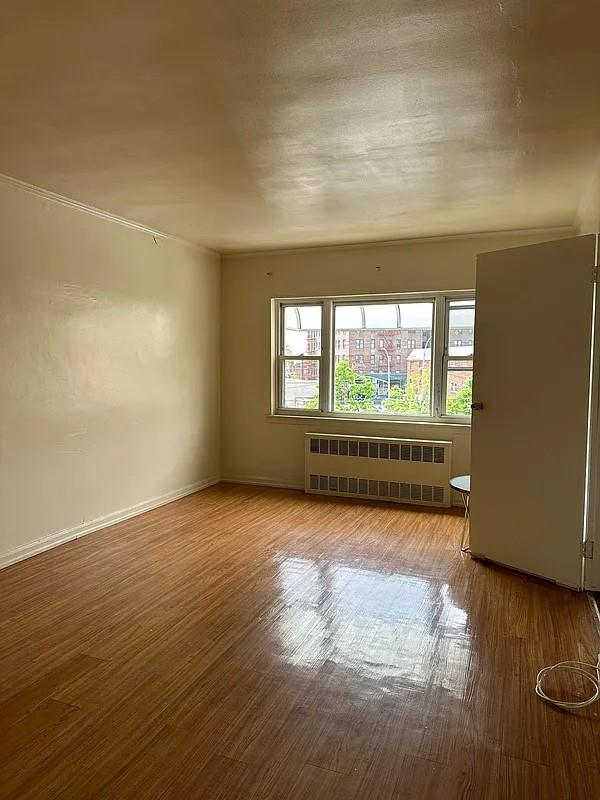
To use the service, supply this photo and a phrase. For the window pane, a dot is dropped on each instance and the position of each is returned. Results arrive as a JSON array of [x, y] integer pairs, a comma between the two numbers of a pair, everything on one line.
[[459, 389], [461, 326], [382, 358], [349, 316], [381, 316], [459, 378], [300, 384], [301, 330]]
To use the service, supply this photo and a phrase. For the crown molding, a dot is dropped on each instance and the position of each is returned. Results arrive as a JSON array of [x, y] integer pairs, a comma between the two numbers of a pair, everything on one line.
[[560, 230], [68, 202], [54, 197]]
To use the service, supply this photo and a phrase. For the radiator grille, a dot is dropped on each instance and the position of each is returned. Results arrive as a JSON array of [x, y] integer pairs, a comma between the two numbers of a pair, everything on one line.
[[405, 452], [342, 484], [400, 470]]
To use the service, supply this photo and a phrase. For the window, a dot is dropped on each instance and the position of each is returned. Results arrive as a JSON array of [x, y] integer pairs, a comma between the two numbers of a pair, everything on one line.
[[458, 384], [300, 355], [432, 378]]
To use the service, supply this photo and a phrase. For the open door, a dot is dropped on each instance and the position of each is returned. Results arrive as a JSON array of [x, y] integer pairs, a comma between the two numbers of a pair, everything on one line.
[[532, 374]]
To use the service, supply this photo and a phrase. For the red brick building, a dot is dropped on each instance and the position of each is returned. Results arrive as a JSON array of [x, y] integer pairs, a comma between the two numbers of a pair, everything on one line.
[[459, 372], [374, 352]]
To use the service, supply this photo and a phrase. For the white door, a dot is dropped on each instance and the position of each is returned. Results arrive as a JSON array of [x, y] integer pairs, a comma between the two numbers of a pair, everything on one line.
[[533, 332], [591, 572]]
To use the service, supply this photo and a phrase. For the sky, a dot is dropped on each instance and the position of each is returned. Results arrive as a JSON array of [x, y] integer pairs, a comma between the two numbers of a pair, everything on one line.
[[376, 317]]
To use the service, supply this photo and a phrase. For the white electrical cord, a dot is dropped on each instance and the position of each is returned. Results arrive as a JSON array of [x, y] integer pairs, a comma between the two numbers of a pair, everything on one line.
[[590, 672]]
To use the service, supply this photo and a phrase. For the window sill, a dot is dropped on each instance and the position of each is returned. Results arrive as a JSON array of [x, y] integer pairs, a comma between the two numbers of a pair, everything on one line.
[[304, 419]]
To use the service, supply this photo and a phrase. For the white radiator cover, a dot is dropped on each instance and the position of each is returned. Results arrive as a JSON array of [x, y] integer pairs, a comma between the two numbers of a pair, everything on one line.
[[398, 470]]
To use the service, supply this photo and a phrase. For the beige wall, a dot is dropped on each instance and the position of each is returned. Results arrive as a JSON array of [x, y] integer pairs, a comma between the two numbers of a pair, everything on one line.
[[258, 448], [110, 362], [109, 367]]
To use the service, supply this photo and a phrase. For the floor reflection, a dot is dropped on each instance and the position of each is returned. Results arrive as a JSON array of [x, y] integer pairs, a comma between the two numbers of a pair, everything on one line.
[[381, 625]]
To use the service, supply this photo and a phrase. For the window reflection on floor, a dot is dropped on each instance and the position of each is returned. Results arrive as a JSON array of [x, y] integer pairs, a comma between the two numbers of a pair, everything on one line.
[[382, 625]]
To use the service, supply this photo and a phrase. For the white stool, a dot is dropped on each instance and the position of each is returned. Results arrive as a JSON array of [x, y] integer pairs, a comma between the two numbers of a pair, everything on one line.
[[462, 484]]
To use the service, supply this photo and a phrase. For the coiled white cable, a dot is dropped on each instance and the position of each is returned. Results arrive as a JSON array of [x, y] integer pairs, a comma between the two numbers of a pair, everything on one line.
[[588, 671]]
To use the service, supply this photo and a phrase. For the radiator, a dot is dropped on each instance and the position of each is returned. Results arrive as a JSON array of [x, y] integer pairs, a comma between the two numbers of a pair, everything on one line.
[[400, 470]]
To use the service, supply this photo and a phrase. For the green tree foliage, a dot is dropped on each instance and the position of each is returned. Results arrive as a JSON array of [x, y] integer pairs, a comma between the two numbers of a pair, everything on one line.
[[312, 402], [460, 404], [353, 392], [412, 398]]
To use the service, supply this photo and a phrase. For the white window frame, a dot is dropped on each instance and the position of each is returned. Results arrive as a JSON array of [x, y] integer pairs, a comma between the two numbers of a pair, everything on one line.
[[456, 360], [280, 357], [326, 359]]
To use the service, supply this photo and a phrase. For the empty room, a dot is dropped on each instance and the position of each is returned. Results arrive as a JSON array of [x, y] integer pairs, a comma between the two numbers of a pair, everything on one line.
[[300, 400]]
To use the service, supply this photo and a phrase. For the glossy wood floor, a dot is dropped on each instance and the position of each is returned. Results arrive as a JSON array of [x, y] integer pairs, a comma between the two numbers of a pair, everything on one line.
[[258, 643]]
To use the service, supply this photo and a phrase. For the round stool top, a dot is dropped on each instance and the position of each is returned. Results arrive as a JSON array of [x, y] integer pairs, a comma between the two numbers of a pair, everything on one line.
[[462, 483]]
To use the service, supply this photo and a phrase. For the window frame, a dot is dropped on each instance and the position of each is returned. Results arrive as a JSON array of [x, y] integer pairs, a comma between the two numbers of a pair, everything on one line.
[[281, 357], [439, 356], [448, 307]]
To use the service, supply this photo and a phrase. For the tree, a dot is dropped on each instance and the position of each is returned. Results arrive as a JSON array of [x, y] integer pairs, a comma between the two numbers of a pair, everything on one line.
[[353, 392], [460, 404], [413, 398]]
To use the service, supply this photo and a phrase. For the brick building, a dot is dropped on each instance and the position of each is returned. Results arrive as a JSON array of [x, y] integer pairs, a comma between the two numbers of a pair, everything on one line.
[[459, 372], [375, 352]]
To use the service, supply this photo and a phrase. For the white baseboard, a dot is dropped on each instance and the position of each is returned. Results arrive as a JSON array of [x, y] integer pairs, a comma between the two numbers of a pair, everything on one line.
[[68, 534], [60, 537], [253, 480]]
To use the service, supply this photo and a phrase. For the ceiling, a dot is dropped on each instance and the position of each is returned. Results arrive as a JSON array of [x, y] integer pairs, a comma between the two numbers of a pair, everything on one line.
[[244, 124]]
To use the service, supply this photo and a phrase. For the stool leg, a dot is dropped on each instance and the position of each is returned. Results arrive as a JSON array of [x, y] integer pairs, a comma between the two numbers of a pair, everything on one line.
[[465, 499]]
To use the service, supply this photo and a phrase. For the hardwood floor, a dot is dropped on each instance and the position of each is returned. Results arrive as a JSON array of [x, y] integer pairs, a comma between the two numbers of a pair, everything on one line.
[[258, 643]]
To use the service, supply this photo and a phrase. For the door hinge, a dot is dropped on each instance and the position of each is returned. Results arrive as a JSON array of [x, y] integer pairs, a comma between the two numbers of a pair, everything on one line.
[[587, 548], [594, 274]]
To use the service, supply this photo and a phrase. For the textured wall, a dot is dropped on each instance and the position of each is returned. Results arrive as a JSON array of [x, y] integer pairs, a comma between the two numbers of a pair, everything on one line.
[[109, 368]]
